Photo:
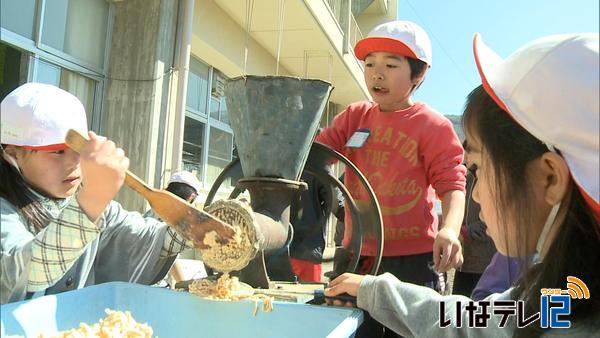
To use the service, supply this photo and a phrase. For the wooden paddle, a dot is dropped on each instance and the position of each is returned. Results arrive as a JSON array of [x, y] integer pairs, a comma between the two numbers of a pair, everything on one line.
[[190, 222]]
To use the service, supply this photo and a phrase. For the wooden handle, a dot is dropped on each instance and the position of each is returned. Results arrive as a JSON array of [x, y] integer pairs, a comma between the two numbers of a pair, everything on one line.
[[137, 184], [77, 142]]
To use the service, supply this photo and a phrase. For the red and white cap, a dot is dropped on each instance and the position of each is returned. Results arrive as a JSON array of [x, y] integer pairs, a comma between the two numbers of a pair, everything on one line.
[[188, 178], [550, 87], [38, 116], [404, 38]]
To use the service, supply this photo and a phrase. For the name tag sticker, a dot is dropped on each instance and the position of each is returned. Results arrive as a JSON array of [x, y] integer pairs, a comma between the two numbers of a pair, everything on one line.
[[359, 138]]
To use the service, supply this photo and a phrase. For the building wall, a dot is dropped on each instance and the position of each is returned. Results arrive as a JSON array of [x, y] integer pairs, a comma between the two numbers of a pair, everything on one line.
[[219, 41]]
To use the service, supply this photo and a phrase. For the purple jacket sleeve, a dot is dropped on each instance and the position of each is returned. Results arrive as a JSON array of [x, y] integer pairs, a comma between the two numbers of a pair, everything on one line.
[[498, 277]]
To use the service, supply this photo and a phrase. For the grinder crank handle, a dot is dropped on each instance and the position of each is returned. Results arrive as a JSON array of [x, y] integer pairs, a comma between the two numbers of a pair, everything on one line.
[[344, 297]]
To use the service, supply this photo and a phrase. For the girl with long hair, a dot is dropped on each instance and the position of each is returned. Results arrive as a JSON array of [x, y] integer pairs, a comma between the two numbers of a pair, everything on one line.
[[533, 141]]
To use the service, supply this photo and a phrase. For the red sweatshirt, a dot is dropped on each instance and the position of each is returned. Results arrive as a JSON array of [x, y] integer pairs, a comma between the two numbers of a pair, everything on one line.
[[410, 155]]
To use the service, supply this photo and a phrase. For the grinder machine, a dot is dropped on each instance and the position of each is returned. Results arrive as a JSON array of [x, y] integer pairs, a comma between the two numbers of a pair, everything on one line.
[[274, 121]]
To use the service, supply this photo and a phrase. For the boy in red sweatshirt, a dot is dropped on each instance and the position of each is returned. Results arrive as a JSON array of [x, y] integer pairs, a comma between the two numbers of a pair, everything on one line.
[[411, 155]]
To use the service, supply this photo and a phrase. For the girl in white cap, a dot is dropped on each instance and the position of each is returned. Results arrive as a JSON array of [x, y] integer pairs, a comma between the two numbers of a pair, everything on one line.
[[532, 130], [60, 228]]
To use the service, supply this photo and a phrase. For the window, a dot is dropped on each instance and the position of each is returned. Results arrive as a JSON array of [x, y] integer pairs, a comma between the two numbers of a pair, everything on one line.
[[218, 102], [208, 138], [193, 140], [218, 109], [215, 106], [194, 134], [18, 16], [223, 113], [219, 153], [77, 28], [197, 89], [82, 87], [221, 136], [10, 69]]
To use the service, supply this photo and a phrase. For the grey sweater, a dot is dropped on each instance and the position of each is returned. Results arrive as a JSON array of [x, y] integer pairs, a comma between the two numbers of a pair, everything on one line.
[[124, 247], [414, 311]]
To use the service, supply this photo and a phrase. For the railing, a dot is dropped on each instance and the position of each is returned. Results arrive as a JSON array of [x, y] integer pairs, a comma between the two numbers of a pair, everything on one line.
[[354, 33], [340, 11], [336, 9]]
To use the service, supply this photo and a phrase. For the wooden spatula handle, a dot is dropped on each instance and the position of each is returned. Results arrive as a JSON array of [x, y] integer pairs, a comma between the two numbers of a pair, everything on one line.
[[137, 184], [77, 142]]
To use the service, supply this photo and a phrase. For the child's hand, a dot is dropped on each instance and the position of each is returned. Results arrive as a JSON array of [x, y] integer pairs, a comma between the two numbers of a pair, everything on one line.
[[447, 251], [103, 168], [348, 283]]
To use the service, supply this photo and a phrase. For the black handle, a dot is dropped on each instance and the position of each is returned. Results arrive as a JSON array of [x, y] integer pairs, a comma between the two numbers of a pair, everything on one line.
[[344, 297]]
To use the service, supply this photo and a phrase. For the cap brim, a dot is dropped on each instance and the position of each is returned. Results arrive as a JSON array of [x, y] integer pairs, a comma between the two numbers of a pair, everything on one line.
[[50, 147], [369, 45], [487, 62]]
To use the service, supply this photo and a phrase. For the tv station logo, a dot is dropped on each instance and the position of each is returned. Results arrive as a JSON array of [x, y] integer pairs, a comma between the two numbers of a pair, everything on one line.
[[555, 307], [550, 313]]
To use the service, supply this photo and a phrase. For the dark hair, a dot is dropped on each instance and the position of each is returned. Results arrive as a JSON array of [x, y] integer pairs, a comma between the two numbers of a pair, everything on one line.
[[417, 67], [181, 189], [14, 189], [574, 251]]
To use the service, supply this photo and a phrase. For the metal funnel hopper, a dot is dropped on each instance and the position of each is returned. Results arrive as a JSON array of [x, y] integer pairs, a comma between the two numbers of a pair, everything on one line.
[[274, 121]]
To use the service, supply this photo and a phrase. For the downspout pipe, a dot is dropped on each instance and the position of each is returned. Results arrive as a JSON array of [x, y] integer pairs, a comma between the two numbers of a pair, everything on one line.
[[182, 67]]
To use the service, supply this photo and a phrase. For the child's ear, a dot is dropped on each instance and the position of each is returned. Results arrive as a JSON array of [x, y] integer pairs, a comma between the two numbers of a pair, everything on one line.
[[557, 177]]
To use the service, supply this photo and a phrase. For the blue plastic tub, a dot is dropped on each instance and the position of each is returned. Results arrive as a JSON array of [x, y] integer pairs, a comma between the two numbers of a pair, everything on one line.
[[173, 314]]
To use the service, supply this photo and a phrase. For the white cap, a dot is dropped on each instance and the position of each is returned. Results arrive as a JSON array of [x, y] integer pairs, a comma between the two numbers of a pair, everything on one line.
[[550, 87], [187, 178], [404, 38], [38, 116]]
